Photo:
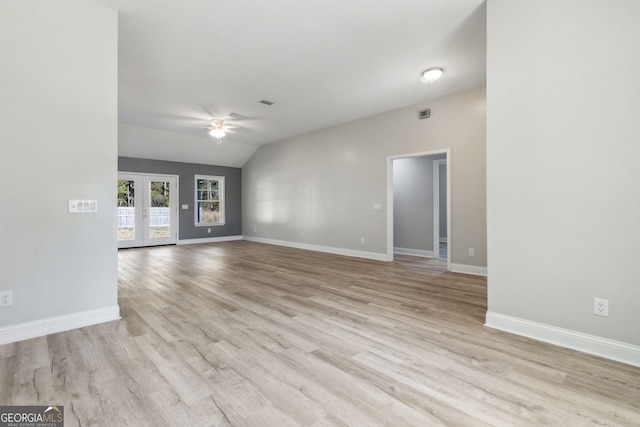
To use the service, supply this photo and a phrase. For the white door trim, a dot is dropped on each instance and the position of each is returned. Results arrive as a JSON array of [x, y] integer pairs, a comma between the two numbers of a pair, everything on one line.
[[390, 159]]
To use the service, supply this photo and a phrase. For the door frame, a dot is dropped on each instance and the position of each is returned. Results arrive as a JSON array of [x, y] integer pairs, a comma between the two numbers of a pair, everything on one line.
[[390, 159], [437, 164], [142, 239]]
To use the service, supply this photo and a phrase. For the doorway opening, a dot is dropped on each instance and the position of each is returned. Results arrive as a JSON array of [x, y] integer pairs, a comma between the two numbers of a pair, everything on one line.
[[146, 210], [419, 205]]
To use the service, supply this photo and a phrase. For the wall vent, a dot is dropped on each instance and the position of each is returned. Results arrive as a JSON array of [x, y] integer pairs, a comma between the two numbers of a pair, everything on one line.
[[425, 114]]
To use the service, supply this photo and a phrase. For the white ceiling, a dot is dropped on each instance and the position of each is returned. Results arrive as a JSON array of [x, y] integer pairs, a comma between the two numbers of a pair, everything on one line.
[[323, 63]]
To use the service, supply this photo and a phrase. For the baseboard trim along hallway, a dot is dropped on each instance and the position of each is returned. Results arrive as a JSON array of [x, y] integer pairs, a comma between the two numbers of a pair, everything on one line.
[[318, 248], [413, 252], [469, 269], [52, 325], [208, 240], [590, 344]]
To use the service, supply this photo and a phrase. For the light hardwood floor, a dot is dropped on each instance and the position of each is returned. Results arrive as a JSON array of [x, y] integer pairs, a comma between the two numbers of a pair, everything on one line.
[[247, 334]]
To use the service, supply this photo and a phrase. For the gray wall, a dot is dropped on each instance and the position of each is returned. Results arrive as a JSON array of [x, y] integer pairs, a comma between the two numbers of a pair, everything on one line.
[[563, 155], [413, 202], [58, 141], [186, 173], [320, 188]]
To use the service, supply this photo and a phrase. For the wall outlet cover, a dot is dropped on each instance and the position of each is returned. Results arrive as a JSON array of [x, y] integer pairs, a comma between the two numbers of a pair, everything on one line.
[[6, 298], [601, 307]]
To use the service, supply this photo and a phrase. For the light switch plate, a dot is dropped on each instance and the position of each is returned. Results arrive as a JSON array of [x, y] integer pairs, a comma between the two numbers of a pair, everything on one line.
[[83, 206]]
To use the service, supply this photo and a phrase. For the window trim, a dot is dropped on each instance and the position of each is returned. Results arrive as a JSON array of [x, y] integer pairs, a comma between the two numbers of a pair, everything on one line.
[[221, 200]]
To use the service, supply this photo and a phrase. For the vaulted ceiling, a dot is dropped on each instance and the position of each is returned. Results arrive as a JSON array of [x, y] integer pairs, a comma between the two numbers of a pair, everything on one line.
[[321, 63]]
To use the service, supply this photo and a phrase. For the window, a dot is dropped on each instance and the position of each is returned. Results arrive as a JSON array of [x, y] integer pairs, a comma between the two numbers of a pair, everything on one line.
[[209, 200]]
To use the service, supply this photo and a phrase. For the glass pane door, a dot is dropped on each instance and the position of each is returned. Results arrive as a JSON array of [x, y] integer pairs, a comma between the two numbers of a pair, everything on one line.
[[159, 206], [126, 225], [146, 210]]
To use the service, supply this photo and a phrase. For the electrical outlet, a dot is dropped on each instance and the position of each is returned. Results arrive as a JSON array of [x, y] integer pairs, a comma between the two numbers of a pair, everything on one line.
[[362, 240], [472, 252], [6, 298], [600, 307]]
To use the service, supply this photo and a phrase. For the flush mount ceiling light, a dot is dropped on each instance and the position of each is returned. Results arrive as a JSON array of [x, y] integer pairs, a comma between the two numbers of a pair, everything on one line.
[[431, 75], [217, 129]]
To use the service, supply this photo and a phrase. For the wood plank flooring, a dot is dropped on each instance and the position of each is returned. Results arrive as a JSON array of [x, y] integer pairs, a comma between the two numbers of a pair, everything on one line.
[[247, 334]]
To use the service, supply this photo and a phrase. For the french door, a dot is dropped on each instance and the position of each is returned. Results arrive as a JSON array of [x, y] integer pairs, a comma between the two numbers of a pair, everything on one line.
[[147, 210]]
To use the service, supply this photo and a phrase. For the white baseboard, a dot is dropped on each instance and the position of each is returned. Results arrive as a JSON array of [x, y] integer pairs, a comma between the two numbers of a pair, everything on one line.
[[208, 240], [469, 269], [52, 325], [414, 252], [328, 249], [591, 344]]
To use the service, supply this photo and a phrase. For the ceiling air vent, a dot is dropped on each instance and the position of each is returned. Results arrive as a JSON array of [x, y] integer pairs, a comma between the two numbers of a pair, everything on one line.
[[425, 114], [237, 116], [265, 102]]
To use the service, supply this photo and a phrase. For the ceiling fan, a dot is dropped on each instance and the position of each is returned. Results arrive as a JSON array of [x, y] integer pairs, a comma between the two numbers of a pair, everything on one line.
[[218, 128]]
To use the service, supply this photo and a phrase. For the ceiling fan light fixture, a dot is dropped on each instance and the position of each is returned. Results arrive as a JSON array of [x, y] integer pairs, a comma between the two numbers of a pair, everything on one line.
[[217, 133], [217, 129], [431, 75]]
